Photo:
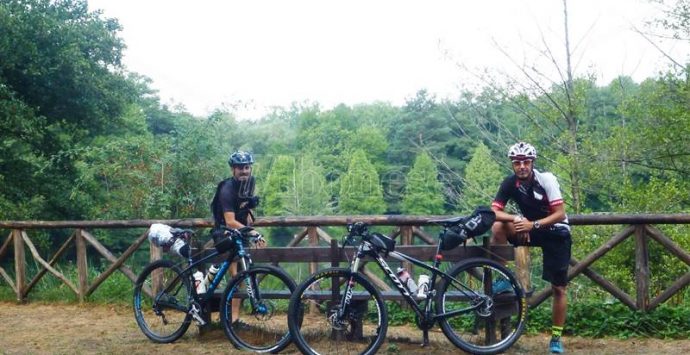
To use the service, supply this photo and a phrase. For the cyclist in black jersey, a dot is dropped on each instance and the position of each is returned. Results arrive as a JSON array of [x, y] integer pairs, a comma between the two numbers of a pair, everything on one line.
[[233, 203], [542, 222]]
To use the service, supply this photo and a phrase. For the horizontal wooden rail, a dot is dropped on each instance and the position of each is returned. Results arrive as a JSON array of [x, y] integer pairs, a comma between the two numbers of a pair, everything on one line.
[[390, 220]]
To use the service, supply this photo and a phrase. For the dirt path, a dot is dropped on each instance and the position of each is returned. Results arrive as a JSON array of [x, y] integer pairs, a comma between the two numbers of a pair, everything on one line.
[[90, 329]]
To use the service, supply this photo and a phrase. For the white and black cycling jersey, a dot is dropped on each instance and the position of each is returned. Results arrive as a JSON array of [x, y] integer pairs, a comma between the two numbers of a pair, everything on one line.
[[535, 198]]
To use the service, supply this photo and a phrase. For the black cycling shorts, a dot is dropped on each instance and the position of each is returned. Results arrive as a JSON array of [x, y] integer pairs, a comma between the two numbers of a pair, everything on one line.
[[555, 243]]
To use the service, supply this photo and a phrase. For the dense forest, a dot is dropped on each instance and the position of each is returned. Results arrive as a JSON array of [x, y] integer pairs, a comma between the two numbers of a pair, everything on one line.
[[82, 138]]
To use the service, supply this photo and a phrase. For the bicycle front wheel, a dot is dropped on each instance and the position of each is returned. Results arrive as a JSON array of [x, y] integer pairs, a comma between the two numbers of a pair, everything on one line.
[[162, 301], [483, 308], [321, 322], [258, 321]]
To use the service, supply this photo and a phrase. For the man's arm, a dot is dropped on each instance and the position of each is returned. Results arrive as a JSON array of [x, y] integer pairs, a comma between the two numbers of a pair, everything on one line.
[[503, 216], [230, 220], [557, 215], [500, 201]]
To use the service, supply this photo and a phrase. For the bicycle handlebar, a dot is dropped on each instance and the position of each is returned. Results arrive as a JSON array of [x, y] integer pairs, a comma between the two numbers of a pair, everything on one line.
[[357, 229], [244, 233], [179, 233]]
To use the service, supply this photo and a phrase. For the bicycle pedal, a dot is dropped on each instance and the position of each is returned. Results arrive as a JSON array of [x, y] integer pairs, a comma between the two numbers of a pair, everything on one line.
[[194, 311], [199, 321]]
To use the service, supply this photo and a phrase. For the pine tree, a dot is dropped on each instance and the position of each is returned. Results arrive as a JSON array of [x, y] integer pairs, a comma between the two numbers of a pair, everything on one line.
[[275, 189], [308, 193], [482, 178], [423, 191], [360, 189]]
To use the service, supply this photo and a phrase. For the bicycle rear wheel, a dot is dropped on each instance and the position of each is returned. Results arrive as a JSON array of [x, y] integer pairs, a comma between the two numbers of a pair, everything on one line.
[[313, 316], [477, 318], [261, 325], [162, 302]]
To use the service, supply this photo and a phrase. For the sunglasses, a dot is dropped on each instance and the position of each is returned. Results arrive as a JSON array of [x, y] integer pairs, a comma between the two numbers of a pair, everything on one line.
[[525, 162], [243, 167]]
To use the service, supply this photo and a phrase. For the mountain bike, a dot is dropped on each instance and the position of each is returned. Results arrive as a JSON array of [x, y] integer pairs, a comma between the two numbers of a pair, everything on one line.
[[166, 300], [339, 310]]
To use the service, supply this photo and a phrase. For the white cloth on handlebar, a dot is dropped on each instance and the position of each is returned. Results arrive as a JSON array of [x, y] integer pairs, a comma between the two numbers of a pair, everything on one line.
[[160, 235]]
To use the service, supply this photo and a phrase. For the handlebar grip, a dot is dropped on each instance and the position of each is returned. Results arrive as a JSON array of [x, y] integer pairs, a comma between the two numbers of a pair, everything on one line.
[[357, 228]]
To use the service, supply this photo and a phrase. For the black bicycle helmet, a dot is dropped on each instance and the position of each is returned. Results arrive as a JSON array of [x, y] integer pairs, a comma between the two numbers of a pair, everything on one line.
[[241, 158]]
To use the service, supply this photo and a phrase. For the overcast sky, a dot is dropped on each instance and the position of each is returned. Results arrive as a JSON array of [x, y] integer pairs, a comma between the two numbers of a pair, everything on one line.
[[208, 53]]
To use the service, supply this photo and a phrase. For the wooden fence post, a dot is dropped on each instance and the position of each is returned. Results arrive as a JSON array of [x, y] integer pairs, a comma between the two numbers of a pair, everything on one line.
[[406, 239], [313, 242], [82, 267], [155, 253], [523, 264], [335, 253], [641, 268], [19, 264]]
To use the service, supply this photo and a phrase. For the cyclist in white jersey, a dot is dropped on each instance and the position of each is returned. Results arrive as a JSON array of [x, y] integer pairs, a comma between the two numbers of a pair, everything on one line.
[[542, 222]]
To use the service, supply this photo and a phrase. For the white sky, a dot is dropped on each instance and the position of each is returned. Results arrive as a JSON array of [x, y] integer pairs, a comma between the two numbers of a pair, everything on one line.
[[208, 53]]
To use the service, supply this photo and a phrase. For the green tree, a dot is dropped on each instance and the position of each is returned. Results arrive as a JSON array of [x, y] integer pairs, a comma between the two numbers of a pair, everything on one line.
[[372, 140], [60, 74], [483, 175], [423, 191], [125, 178], [280, 179], [423, 123], [360, 189], [309, 192]]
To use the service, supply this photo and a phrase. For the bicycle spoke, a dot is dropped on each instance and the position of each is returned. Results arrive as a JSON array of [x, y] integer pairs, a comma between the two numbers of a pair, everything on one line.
[[487, 319], [163, 317], [254, 309], [327, 328]]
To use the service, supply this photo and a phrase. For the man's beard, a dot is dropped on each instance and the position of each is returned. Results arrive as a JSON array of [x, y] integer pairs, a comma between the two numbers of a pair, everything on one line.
[[526, 178]]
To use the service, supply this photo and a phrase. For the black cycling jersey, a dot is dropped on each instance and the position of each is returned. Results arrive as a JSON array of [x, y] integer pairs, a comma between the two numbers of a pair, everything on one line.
[[535, 198], [232, 196]]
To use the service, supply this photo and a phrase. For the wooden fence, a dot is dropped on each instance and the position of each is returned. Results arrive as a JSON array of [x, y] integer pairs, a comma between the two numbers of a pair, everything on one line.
[[406, 228]]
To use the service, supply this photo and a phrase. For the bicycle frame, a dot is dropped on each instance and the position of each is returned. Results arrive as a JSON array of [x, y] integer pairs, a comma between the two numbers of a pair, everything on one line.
[[244, 260], [423, 310]]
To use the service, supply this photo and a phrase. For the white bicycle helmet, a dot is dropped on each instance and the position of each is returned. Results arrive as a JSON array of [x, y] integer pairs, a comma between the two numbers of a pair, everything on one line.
[[522, 150]]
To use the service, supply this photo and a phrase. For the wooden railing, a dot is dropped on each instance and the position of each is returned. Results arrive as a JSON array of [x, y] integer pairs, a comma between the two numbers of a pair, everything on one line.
[[406, 228]]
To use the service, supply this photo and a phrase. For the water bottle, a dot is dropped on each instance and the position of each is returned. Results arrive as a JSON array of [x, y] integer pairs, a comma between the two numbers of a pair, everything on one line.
[[199, 282], [407, 280], [212, 271], [423, 286]]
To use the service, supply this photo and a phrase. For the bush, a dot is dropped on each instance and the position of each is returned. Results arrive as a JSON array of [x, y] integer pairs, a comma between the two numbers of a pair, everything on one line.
[[595, 319]]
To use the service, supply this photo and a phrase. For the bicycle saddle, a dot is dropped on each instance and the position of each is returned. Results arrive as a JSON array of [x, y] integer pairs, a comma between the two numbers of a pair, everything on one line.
[[449, 221]]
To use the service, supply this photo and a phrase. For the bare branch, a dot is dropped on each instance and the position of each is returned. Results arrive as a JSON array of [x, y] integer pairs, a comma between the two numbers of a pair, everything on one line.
[[676, 63]]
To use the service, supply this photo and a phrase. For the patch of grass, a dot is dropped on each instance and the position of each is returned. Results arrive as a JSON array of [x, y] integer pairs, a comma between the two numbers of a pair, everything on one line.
[[6, 293], [393, 348], [117, 289]]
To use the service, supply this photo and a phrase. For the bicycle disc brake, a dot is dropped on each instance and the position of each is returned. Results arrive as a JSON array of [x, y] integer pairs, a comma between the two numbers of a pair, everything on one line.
[[484, 306], [264, 310], [335, 322]]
